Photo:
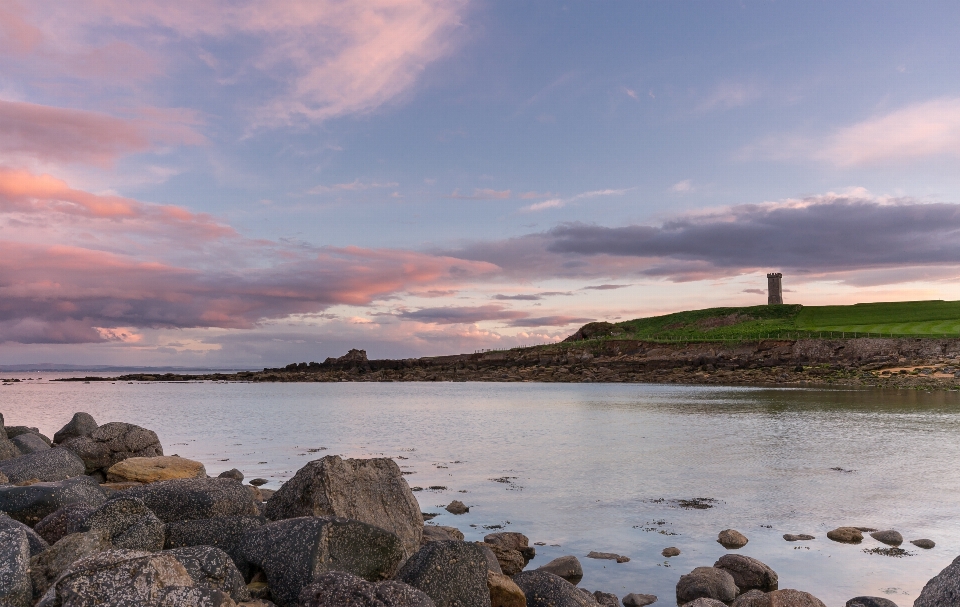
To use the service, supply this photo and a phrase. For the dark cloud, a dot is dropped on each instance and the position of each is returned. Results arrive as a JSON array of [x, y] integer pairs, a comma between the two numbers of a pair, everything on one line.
[[519, 297], [605, 287], [548, 321], [449, 315]]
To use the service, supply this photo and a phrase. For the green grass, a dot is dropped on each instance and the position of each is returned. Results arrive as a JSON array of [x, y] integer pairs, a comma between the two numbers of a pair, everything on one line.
[[908, 318]]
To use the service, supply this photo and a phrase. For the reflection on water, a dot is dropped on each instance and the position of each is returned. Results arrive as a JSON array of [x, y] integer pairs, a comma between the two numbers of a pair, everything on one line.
[[598, 467]]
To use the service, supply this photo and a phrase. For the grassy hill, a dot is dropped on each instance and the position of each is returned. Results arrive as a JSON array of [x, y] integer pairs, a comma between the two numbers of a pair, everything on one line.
[[895, 319]]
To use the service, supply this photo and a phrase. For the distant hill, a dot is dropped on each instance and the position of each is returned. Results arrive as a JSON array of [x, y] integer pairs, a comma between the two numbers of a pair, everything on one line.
[[935, 318]]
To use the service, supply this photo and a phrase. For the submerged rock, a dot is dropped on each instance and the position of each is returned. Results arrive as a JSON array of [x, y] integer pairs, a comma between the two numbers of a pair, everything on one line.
[[153, 469], [568, 567], [748, 573], [610, 556], [732, 539], [341, 589], [452, 573], [802, 537], [46, 466], [943, 589], [706, 582], [846, 535]]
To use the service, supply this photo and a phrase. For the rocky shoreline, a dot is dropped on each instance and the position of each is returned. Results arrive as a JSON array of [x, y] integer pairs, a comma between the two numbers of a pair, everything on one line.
[[860, 362], [98, 515]]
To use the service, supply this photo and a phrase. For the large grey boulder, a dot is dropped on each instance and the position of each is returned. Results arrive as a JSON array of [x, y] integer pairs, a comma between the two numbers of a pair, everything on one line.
[[751, 598], [15, 431], [49, 564], [789, 598], [293, 552], [82, 424], [568, 567], [37, 543], [544, 589], [368, 490], [341, 589], [213, 568], [63, 522], [112, 443], [16, 589], [705, 602], [706, 582], [46, 465], [225, 533], [196, 498], [943, 589], [31, 503], [870, 601], [129, 523], [748, 573], [29, 442], [120, 578], [451, 572]]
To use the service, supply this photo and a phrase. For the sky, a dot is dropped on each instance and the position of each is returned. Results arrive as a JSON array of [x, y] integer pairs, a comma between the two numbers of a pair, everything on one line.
[[250, 183]]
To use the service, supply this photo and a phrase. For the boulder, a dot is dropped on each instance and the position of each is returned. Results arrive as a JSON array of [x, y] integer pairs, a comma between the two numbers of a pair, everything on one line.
[[31, 503], [457, 507], [196, 498], [453, 532], [511, 561], [180, 596], [870, 601], [544, 589], [751, 598], [511, 540], [606, 599], [924, 543], [504, 592], [568, 567], [212, 568], [706, 582], [225, 533], [889, 537], [292, 552], [122, 577], [341, 589], [798, 538], [609, 556], [670, 552], [234, 474], [37, 543], [47, 465], [153, 469], [705, 602], [16, 589], [371, 491], [943, 589], [732, 539], [29, 442], [790, 598], [492, 563], [8, 450], [112, 443], [82, 424], [49, 564], [452, 573], [63, 522], [15, 431], [129, 523], [748, 573], [846, 535], [639, 600]]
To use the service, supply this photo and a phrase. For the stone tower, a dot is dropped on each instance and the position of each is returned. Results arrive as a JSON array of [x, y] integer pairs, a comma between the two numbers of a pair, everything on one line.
[[774, 289]]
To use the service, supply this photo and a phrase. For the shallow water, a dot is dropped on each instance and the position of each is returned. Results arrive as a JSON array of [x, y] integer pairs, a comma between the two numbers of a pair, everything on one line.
[[597, 466]]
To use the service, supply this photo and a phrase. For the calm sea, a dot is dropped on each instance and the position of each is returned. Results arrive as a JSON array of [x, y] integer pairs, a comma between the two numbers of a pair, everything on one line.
[[600, 467]]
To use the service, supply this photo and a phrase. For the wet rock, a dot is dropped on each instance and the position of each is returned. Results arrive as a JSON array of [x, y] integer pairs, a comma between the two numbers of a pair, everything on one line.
[[452, 573], [196, 498], [63, 522], [367, 490], [610, 556], [706, 582], [212, 568], [943, 589], [457, 507], [889, 537], [751, 598], [129, 523], [511, 561], [639, 600], [846, 535], [292, 552], [30, 443], [732, 539], [122, 577], [33, 502], [37, 543], [790, 598], [511, 540], [82, 424], [112, 443], [341, 589], [924, 543], [543, 589], [568, 567], [504, 592], [47, 465], [748, 573], [704, 602], [16, 589], [802, 537], [225, 533], [153, 469], [234, 474], [670, 552], [870, 601], [49, 564], [606, 599]]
